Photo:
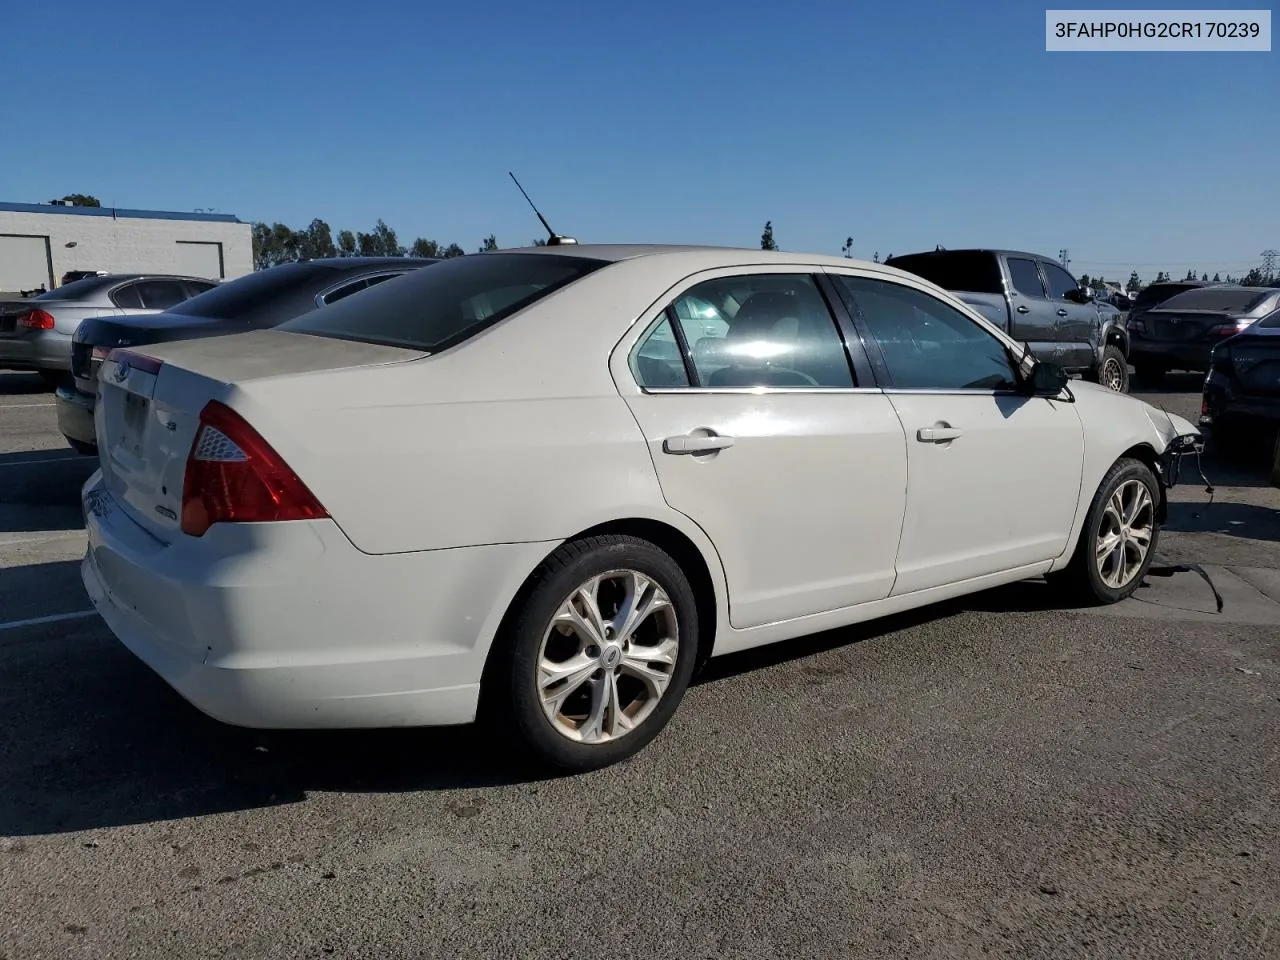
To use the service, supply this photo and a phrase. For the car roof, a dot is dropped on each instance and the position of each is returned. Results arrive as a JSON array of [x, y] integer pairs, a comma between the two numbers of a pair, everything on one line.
[[730, 256]]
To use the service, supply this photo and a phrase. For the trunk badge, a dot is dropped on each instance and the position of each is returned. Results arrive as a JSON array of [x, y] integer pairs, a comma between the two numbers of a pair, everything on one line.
[[166, 512]]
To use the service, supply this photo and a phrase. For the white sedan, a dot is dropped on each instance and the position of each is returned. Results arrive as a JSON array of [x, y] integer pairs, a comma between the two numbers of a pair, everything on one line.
[[539, 487]]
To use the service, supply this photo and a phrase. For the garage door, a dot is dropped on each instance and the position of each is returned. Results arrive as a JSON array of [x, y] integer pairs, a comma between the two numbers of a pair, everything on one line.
[[196, 259], [24, 263]]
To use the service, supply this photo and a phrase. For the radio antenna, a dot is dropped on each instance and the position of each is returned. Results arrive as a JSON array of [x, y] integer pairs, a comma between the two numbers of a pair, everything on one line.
[[553, 239]]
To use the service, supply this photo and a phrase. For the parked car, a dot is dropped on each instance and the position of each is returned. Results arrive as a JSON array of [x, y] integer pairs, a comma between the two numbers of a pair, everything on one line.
[[1154, 294], [1240, 406], [35, 334], [1180, 333], [254, 302], [1036, 301], [490, 489]]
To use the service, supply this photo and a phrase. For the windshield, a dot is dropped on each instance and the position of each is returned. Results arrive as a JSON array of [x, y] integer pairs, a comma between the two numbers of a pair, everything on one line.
[[1218, 299], [79, 289], [432, 310]]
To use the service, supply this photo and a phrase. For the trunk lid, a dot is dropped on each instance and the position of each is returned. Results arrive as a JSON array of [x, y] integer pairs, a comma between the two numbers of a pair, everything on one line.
[[1184, 326], [98, 335], [1256, 362], [150, 400]]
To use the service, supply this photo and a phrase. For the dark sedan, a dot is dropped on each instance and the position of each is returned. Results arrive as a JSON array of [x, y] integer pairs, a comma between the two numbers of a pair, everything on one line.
[[1180, 333], [254, 302], [1240, 409]]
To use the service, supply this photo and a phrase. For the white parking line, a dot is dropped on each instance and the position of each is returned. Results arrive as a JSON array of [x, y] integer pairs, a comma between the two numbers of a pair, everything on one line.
[[27, 463], [55, 618], [9, 406], [8, 542]]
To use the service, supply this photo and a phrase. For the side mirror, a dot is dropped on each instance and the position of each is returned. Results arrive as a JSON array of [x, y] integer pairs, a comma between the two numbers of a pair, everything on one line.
[[1078, 295], [1046, 380]]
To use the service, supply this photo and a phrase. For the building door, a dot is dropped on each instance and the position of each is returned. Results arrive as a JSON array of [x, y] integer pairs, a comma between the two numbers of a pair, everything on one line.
[[24, 263], [200, 259]]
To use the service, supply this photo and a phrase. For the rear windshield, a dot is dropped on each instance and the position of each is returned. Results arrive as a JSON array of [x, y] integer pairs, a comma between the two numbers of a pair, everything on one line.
[[1218, 299], [968, 270], [79, 289], [432, 310], [1159, 292], [234, 299]]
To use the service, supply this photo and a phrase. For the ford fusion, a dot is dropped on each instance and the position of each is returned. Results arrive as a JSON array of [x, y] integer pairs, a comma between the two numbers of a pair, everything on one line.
[[538, 488]]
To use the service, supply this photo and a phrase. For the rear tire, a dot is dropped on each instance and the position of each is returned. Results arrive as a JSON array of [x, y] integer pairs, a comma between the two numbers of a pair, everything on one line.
[[79, 446], [51, 378], [1275, 463], [1150, 374], [1112, 370], [1110, 561], [573, 678]]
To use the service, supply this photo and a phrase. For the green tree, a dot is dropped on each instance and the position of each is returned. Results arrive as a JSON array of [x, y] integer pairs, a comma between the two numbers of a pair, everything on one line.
[[81, 200], [489, 243], [766, 238], [451, 251], [423, 247], [1254, 278], [875, 257], [1134, 284], [380, 242], [274, 244], [347, 245], [1204, 276], [316, 241], [1217, 278], [847, 249], [1191, 275], [539, 242], [1084, 280]]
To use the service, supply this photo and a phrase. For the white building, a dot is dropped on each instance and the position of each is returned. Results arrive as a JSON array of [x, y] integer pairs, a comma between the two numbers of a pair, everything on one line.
[[39, 243]]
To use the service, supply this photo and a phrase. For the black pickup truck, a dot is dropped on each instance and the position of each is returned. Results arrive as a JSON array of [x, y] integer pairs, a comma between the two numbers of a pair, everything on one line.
[[1035, 300]]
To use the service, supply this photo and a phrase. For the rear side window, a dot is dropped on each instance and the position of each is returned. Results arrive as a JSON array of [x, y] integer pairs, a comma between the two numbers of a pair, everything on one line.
[[1026, 277], [1271, 321], [161, 294], [968, 270], [127, 297], [446, 304]]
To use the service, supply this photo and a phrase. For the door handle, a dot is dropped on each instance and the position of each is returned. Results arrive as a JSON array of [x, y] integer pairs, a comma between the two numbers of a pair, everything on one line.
[[1062, 313], [695, 444], [1024, 309], [938, 434]]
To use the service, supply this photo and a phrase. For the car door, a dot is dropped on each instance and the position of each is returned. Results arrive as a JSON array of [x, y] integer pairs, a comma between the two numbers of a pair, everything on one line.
[[993, 475], [1079, 324], [761, 433], [1035, 320]]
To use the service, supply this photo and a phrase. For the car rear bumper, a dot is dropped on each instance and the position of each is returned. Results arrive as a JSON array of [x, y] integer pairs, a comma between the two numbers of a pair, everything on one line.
[[1174, 355], [287, 625], [75, 415], [38, 350]]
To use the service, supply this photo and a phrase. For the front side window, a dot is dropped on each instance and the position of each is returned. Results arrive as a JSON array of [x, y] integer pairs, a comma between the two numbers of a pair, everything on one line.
[[1025, 277], [758, 330], [1060, 282], [928, 344]]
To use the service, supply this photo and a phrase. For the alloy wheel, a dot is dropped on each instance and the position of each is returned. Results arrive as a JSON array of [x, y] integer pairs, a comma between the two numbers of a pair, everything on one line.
[[1125, 534], [1112, 376], [607, 656]]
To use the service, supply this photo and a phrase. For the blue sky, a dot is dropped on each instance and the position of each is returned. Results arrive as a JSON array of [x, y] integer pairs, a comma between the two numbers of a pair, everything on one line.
[[901, 124]]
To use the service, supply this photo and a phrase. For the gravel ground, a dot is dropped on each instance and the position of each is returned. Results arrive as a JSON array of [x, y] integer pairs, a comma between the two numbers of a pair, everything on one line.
[[993, 776]]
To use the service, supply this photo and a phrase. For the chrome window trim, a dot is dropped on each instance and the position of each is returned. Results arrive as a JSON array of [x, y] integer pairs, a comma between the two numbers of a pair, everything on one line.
[[758, 391], [365, 278]]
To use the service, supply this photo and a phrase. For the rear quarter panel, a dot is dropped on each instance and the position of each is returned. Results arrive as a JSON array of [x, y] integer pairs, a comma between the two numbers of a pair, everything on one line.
[[993, 306]]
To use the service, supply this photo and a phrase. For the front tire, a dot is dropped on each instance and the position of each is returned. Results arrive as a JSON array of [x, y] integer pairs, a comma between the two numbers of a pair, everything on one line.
[[1112, 370], [1119, 537], [597, 657]]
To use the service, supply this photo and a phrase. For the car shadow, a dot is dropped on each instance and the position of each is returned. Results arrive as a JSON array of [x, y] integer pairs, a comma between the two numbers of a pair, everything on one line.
[[40, 490], [93, 738], [16, 384], [1246, 520]]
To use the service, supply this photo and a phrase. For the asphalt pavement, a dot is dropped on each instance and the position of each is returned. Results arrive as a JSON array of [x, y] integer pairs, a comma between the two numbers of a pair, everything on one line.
[[990, 777]]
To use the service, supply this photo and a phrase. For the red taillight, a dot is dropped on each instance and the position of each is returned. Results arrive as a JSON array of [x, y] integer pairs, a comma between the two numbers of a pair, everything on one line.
[[36, 320], [1204, 404], [1136, 326], [234, 476], [1230, 329]]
